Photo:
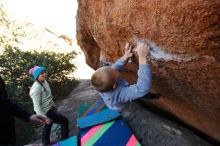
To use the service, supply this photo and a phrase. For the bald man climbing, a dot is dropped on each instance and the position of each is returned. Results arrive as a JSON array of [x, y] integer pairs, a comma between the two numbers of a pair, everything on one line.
[[116, 92]]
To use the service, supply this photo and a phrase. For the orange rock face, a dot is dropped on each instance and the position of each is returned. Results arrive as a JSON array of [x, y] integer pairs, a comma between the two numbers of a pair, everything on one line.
[[186, 69]]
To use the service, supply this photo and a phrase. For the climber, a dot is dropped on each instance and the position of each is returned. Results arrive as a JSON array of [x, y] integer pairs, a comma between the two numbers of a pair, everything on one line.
[[116, 91]]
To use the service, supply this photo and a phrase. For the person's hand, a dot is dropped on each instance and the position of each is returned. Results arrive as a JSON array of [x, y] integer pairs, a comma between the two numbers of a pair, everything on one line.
[[48, 121], [40, 119], [142, 52], [128, 52]]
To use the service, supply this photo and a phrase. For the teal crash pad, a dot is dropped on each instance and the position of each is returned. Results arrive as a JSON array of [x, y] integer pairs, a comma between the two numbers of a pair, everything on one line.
[[72, 141]]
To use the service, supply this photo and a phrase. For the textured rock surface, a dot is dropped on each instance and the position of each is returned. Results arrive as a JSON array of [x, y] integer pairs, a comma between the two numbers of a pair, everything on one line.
[[187, 29]]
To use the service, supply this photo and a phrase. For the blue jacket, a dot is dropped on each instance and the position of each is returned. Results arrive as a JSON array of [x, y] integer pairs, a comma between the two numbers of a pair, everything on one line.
[[125, 92]]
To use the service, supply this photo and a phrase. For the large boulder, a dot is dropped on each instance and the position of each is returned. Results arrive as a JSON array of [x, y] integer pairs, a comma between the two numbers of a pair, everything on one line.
[[187, 37]]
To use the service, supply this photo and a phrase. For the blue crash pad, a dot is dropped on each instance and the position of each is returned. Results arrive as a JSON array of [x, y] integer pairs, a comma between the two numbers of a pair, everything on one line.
[[72, 141], [98, 118]]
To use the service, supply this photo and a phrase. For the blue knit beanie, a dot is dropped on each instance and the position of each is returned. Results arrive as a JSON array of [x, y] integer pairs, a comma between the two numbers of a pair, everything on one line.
[[35, 71]]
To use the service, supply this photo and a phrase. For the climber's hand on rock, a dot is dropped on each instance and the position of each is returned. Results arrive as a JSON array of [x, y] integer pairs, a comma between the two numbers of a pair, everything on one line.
[[128, 52], [142, 52]]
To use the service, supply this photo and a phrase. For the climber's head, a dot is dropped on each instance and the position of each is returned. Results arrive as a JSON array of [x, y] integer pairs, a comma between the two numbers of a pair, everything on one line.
[[104, 79]]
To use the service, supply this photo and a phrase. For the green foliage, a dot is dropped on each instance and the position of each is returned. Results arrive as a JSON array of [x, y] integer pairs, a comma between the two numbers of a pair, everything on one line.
[[17, 35], [16, 63]]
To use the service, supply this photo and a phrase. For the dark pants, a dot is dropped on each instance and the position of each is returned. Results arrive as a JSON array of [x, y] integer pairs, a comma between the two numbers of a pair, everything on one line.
[[59, 119]]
